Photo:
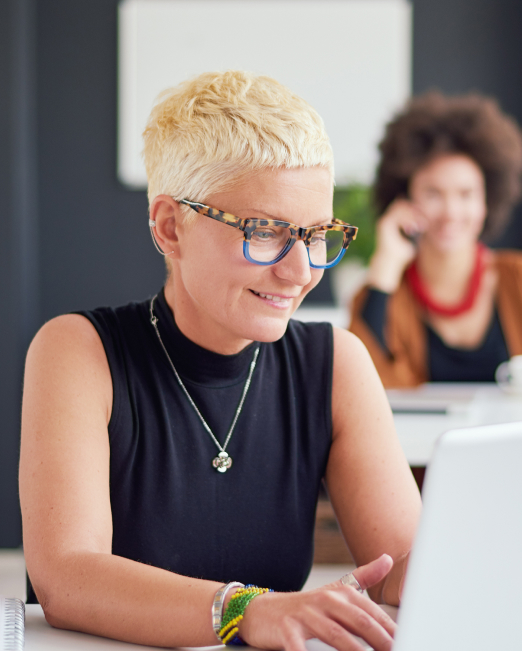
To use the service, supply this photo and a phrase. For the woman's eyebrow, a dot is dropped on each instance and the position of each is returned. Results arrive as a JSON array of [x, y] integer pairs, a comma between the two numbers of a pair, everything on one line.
[[262, 212]]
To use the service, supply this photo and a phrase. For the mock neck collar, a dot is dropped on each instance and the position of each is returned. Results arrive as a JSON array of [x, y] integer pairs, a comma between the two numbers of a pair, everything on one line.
[[195, 363]]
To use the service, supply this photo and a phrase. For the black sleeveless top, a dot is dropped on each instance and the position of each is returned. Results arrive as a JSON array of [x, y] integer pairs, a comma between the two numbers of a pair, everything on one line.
[[170, 507]]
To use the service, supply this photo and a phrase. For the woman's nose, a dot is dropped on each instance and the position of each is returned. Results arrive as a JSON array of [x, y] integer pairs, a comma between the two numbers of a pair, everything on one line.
[[451, 208], [295, 266]]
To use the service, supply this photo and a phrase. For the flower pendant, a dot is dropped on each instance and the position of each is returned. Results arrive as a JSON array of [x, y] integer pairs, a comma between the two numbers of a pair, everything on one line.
[[222, 462]]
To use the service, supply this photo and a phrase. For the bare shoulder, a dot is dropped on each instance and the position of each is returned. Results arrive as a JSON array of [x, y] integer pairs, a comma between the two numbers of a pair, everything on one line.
[[357, 391], [67, 353], [345, 342], [351, 361], [66, 333]]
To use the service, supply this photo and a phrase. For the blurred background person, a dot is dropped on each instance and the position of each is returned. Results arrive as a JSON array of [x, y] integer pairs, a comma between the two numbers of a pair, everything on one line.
[[438, 305]]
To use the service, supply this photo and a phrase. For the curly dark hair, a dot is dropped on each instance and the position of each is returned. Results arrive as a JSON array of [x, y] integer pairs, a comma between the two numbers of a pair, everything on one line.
[[433, 124]]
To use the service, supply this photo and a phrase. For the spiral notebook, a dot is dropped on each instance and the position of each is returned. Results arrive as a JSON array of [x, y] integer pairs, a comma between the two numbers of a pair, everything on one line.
[[12, 624]]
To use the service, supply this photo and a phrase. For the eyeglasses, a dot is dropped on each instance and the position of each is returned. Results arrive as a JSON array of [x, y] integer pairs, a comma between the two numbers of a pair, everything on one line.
[[268, 240]]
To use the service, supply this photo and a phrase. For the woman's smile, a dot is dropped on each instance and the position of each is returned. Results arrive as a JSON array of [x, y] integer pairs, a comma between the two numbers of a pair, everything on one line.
[[275, 300]]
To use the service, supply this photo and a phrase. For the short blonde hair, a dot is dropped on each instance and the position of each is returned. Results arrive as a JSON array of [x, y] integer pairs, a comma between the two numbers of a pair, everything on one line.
[[208, 132]]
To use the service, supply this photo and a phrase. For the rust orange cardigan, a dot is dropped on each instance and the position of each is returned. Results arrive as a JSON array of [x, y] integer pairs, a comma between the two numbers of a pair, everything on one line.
[[406, 335]]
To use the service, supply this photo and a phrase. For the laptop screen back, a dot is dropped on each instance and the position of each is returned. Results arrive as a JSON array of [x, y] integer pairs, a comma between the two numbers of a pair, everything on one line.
[[464, 584]]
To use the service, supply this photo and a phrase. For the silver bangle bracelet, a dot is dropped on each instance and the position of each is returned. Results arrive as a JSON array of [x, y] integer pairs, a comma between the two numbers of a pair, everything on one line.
[[217, 605]]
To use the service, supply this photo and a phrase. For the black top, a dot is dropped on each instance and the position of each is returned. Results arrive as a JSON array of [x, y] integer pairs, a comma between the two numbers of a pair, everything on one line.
[[446, 364], [170, 507]]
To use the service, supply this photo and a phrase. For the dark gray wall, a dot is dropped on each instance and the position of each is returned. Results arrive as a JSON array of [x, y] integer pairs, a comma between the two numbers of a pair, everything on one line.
[[94, 238], [70, 235], [19, 287], [472, 45]]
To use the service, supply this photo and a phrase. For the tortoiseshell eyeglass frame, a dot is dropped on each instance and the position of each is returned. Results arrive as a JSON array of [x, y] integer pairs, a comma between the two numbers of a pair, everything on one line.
[[249, 225]]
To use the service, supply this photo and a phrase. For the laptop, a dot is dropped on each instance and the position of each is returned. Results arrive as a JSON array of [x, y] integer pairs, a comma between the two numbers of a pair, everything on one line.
[[463, 590]]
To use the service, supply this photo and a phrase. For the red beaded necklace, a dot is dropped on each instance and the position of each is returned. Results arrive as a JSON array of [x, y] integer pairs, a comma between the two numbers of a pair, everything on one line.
[[420, 291]]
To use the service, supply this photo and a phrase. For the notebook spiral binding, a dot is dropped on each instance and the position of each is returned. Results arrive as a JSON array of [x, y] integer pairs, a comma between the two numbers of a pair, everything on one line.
[[14, 625]]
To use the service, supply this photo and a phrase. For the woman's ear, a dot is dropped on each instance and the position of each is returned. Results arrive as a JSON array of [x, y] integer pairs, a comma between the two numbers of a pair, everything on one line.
[[165, 218]]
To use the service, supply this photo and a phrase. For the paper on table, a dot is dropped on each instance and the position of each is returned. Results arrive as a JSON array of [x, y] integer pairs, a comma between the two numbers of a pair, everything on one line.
[[431, 398], [12, 615]]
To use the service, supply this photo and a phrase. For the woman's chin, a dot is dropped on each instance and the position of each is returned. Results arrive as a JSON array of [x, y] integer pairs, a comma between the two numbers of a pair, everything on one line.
[[267, 329], [451, 244]]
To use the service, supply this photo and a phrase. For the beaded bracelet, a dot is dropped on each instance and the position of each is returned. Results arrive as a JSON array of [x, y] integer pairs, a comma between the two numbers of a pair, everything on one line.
[[234, 613]]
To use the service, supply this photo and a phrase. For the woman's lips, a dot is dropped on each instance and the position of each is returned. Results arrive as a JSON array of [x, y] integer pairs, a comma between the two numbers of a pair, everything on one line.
[[274, 299]]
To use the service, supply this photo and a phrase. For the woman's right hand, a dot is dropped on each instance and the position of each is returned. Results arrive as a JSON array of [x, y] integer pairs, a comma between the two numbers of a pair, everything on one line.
[[395, 247], [335, 614]]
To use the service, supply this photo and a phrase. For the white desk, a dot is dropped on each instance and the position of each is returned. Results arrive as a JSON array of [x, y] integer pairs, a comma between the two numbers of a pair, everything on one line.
[[39, 636], [468, 405], [337, 316]]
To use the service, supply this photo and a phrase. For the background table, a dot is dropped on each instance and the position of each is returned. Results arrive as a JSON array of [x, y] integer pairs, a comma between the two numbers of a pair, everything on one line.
[[467, 404]]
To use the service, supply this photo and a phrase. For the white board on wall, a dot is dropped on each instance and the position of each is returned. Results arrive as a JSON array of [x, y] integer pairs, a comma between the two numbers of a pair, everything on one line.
[[350, 59]]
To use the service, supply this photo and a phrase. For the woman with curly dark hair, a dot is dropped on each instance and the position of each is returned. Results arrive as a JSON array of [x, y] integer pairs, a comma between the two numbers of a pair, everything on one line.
[[439, 305]]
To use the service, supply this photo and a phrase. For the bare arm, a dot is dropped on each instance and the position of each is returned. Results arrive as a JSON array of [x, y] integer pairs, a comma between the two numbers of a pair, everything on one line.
[[393, 251], [64, 490], [370, 484]]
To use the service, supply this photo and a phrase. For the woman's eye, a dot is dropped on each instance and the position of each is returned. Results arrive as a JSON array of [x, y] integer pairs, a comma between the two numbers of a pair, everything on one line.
[[318, 238], [263, 235], [431, 194]]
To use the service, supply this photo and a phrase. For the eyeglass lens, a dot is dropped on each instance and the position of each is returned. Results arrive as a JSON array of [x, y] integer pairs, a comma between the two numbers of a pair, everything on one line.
[[267, 242]]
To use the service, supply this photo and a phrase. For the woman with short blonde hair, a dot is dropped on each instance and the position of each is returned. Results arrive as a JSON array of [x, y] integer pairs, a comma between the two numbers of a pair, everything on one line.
[[173, 449]]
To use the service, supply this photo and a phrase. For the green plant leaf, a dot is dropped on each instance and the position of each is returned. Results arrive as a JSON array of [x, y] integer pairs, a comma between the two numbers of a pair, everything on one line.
[[353, 205]]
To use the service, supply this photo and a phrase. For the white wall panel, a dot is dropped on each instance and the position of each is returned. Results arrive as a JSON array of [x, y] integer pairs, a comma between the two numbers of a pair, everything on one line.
[[351, 59]]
